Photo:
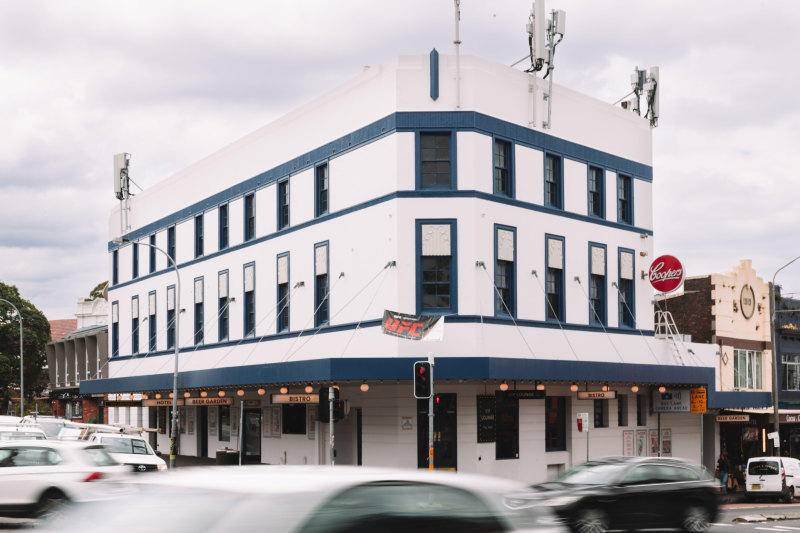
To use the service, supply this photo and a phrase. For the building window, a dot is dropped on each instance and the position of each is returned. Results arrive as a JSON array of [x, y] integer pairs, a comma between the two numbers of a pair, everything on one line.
[[554, 278], [135, 325], [503, 170], [249, 300], [222, 306], [198, 311], [223, 226], [552, 181], [135, 265], [171, 245], [601, 413], [505, 272], [596, 192], [624, 211], [641, 410], [597, 284], [435, 160], [114, 329], [436, 266], [747, 369], [249, 216], [115, 267], [321, 190], [283, 293], [507, 420], [321, 285], [170, 317], [791, 371], [152, 253], [294, 418], [622, 410], [151, 322], [555, 423], [198, 235], [283, 204], [626, 290]]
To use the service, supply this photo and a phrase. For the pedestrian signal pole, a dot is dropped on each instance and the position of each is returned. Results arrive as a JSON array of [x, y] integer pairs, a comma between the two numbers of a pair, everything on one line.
[[423, 388], [331, 398]]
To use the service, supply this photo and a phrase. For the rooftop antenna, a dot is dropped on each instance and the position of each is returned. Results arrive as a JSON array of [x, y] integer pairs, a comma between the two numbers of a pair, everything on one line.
[[643, 82], [457, 42], [122, 188]]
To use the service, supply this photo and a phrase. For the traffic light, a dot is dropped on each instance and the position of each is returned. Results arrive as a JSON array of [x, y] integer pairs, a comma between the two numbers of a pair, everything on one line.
[[338, 410], [324, 410], [423, 382]]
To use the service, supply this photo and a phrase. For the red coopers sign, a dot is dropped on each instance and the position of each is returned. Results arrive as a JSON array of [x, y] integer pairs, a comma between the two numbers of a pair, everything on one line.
[[666, 273]]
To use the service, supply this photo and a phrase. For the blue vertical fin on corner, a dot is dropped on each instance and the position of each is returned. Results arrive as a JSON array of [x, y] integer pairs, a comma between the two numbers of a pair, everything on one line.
[[434, 74]]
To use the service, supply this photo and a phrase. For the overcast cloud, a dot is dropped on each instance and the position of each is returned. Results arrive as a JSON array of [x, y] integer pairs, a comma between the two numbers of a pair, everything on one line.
[[171, 82]]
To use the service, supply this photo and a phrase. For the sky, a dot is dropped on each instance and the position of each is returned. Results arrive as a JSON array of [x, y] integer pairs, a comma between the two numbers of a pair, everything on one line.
[[172, 81]]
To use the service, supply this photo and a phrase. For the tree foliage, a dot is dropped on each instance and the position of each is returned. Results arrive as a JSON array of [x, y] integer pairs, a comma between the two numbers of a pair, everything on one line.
[[35, 336], [97, 292]]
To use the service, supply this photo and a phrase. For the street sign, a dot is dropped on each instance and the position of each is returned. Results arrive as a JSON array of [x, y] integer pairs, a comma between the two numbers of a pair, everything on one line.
[[697, 400], [583, 422]]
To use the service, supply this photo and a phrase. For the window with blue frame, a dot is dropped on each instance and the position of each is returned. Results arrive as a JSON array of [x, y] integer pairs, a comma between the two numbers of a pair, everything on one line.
[[151, 322], [435, 160], [597, 284], [321, 285], [135, 325], [552, 181], [135, 265], [114, 329], [222, 306], [503, 168], [436, 266], [171, 245], [504, 271], [283, 293], [596, 188], [624, 205], [626, 289], [283, 204], [321, 190], [198, 235], [115, 267], [250, 300], [152, 253], [249, 216], [554, 278], [171, 317], [223, 226], [198, 311]]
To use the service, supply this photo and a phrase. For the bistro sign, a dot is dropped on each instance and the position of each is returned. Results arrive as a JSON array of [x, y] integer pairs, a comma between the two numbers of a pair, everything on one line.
[[295, 398], [597, 395]]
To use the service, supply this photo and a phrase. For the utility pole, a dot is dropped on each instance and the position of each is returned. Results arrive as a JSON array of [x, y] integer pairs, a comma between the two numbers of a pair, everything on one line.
[[430, 417]]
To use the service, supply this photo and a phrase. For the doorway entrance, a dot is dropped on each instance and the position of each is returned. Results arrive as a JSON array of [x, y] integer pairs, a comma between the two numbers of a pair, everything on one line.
[[445, 451], [251, 436], [202, 431]]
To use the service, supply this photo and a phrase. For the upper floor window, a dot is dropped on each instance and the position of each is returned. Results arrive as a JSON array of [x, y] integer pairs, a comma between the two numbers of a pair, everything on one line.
[[115, 267], [597, 284], [135, 325], [151, 322], [114, 329], [222, 306], [135, 265], [791, 371], [552, 181], [283, 204], [198, 311], [249, 300], [198, 235], [223, 226], [554, 278], [435, 160], [283, 293], [747, 369], [505, 271], [321, 285], [503, 169], [249, 216], [321, 190], [626, 289], [624, 204], [596, 192], [170, 317], [436, 266], [152, 253], [171, 245]]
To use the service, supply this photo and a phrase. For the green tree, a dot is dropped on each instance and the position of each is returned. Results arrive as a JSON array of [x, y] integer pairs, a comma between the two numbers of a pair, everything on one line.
[[35, 336], [97, 292]]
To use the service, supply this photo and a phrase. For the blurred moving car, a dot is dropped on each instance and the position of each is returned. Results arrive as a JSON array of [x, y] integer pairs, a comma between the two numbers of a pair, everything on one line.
[[634, 493], [313, 499], [21, 432], [131, 450], [772, 477], [39, 476]]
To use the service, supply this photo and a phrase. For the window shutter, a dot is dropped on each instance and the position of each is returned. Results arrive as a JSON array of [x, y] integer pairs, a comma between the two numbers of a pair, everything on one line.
[[152, 303], [114, 313], [598, 261], [555, 253], [505, 245], [249, 278], [321, 260], [283, 269], [134, 308], [170, 298], [198, 291], [436, 239], [626, 265], [223, 285]]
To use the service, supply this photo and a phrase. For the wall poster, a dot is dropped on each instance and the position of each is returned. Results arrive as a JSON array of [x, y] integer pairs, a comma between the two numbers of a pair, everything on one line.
[[653, 443], [272, 421], [628, 449], [212, 421], [641, 442], [666, 442], [190, 423]]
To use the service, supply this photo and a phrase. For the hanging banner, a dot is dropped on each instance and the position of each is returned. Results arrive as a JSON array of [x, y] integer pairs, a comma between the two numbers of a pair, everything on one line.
[[412, 327]]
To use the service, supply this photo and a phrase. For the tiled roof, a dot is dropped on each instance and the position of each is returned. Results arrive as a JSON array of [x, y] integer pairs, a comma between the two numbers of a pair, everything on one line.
[[59, 328]]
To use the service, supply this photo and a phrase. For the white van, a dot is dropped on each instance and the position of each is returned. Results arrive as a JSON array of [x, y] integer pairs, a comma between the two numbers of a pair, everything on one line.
[[773, 477], [131, 450]]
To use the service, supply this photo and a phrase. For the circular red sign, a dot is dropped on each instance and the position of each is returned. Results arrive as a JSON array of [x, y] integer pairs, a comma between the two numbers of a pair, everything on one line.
[[666, 273]]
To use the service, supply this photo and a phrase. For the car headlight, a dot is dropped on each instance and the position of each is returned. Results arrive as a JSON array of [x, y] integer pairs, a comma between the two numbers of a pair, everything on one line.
[[560, 501], [162, 466]]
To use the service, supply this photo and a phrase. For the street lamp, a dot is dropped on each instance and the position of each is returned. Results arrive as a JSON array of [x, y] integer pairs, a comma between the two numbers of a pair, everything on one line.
[[21, 378], [171, 261], [775, 386]]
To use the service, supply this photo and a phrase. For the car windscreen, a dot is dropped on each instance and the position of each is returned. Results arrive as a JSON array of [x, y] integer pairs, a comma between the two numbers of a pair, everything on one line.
[[124, 445], [99, 456], [593, 474], [763, 468]]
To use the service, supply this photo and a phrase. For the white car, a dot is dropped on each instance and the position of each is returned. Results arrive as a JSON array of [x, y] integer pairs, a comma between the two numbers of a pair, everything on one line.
[[21, 432], [313, 499], [39, 476], [131, 450]]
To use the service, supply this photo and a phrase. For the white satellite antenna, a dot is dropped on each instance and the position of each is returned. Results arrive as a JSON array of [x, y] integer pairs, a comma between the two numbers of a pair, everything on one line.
[[122, 189], [651, 96]]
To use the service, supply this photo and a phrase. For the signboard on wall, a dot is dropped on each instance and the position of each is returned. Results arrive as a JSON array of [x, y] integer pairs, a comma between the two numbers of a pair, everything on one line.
[[666, 273], [672, 401], [597, 395], [697, 400], [486, 418]]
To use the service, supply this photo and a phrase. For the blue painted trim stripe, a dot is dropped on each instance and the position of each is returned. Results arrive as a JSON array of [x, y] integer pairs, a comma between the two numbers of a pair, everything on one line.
[[403, 121], [434, 58]]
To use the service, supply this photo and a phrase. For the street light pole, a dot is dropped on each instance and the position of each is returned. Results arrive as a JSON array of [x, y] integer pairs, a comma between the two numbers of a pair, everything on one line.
[[21, 366], [775, 385], [171, 261]]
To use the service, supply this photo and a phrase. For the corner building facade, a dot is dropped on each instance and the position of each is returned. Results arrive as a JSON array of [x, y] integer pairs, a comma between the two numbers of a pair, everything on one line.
[[407, 190]]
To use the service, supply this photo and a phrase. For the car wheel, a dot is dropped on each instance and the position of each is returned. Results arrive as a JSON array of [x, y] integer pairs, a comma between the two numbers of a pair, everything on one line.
[[788, 496], [696, 520], [591, 521], [50, 504]]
